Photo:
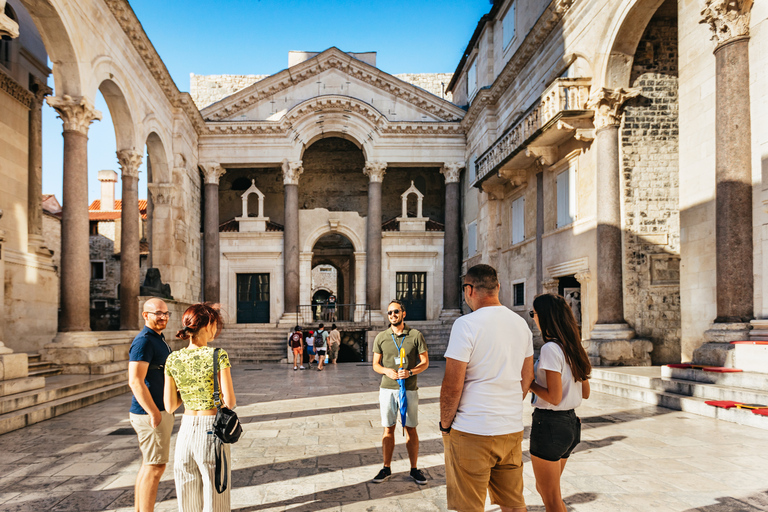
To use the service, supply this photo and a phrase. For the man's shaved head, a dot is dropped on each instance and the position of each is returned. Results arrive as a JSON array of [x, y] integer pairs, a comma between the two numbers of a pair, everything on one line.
[[154, 304]]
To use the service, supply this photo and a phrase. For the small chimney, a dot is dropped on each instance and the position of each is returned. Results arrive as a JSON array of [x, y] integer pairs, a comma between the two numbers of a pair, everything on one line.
[[108, 178]]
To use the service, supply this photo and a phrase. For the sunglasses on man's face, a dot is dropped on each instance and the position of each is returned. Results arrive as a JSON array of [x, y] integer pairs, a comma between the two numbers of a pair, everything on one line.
[[393, 312]]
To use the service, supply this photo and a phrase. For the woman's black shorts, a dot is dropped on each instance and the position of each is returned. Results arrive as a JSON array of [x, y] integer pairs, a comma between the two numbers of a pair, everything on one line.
[[554, 434]]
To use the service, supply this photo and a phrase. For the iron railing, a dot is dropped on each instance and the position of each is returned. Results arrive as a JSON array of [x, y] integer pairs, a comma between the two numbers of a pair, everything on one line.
[[352, 315]]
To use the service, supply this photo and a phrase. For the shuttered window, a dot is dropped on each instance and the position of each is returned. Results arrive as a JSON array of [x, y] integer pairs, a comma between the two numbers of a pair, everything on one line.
[[472, 80], [471, 239], [566, 197], [508, 26], [518, 220]]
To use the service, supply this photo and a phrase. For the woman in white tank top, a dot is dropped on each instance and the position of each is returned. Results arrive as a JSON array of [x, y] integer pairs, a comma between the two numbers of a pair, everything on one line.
[[562, 381]]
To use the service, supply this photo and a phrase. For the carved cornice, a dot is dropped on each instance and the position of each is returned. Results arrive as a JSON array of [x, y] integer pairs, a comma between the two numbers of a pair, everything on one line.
[[545, 155], [517, 177], [607, 104], [212, 171], [532, 44], [8, 27], [15, 90], [130, 24], [245, 128], [277, 129], [375, 171], [39, 90], [291, 172], [323, 104], [406, 128], [452, 171], [77, 113], [728, 19], [129, 161], [161, 193], [333, 58]]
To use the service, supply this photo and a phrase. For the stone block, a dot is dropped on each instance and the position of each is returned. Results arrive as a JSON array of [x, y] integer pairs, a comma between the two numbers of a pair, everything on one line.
[[13, 366], [714, 354], [632, 352], [724, 333], [13, 386]]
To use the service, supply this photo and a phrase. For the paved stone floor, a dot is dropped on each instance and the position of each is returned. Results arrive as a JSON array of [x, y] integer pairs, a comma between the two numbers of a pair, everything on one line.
[[312, 443]]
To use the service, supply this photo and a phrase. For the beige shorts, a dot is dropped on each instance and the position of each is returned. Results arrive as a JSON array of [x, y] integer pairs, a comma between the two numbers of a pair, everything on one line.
[[154, 443], [476, 464]]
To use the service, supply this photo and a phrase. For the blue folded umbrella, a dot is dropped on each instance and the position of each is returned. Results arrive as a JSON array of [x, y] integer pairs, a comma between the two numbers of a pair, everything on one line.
[[403, 397]]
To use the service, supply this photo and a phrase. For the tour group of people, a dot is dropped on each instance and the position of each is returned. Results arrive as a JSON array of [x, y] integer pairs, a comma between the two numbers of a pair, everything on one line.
[[489, 370], [321, 346]]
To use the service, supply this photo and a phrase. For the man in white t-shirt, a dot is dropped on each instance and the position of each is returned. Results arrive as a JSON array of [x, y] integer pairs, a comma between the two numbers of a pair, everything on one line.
[[488, 371]]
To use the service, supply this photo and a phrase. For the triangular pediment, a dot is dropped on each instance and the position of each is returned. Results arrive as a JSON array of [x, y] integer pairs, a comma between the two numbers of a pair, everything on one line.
[[338, 74]]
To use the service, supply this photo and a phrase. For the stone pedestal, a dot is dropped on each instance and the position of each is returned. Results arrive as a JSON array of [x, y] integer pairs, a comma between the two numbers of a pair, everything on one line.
[[718, 351], [616, 345], [759, 330], [14, 373], [90, 353]]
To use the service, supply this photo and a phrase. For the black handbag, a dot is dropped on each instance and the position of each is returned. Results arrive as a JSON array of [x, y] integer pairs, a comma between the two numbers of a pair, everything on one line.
[[227, 428]]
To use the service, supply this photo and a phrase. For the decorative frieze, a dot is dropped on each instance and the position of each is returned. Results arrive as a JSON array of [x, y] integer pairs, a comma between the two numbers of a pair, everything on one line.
[[291, 172], [452, 171], [375, 171], [607, 104], [77, 113], [15, 90], [212, 171], [727, 19], [130, 161]]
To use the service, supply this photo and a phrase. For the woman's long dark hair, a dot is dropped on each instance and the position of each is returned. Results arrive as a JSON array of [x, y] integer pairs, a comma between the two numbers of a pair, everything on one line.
[[558, 325], [198, 316]]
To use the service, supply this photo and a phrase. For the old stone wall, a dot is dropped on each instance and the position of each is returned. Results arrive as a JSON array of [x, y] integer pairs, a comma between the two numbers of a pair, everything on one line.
[[651, 188], [208, 89], [324, 276]]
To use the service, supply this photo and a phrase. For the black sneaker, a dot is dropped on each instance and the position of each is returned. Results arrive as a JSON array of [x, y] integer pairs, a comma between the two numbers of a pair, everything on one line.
[[418, 476], [383, 475]]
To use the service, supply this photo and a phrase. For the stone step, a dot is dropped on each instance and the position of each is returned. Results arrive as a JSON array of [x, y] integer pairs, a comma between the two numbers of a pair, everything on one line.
[[678, 402], [59, 387], [33, 358], [45, 371], [747, 380]]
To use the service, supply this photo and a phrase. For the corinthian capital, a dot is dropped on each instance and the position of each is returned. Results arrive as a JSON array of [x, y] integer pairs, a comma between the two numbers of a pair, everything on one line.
[[291, 172], [607, 105], [452, 171], [212, 172], [8, 27], [40, 89], [161, 193], [130, 161], [727, 18], [375, 171], [77, 113]]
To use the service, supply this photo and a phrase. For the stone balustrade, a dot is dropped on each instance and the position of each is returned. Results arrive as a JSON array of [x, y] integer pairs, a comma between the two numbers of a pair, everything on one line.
[[563, 95]]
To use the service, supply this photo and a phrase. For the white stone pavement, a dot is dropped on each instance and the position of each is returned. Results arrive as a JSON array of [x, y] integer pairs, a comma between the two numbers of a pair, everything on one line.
[[312, 443]]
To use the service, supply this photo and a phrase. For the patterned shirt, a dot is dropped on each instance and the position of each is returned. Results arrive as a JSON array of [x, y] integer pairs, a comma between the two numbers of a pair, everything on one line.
[[192, 370]]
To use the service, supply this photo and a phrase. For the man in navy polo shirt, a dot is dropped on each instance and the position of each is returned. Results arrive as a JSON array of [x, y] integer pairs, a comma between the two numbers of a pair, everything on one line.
[[152, 423]]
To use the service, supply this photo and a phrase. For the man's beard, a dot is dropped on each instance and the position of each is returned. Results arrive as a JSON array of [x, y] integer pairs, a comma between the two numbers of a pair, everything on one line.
[[398, 323]]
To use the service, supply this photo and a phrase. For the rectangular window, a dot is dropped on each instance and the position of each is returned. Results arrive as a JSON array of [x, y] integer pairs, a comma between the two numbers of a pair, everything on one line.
[[472, 80], [508, 26], [472, 169], [518, 220], [518, 294], [94, 227], [100, 304], [471, 239], [566, 197], [97, 270]]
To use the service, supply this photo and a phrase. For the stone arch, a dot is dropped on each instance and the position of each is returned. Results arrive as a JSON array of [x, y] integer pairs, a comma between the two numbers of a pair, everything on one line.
[[341, 229], [119, 110], [160, 171], [623, 35], [52, 26]]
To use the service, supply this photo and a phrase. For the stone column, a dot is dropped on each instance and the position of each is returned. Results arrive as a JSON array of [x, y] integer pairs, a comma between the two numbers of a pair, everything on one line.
[[77, 115], [729, 22], [375, 172], [213, 172], [610, 299], [452, 241], [291, 265], [130, 275], [35, 162]]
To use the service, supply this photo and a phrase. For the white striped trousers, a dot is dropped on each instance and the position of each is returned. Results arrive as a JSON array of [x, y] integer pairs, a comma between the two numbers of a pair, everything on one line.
[[194, 467]]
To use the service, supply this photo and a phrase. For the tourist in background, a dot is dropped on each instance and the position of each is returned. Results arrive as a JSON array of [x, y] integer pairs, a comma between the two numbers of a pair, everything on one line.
[[321, 345], [562, 381], [296, 344], [310, 341], [189, 373], [149, 418], [334, 341]]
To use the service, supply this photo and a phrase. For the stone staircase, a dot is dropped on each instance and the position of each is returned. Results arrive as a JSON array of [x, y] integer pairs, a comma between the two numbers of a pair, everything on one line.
[[253, 343], [60, 394], [436, 333], [687, 390], [39, 368]]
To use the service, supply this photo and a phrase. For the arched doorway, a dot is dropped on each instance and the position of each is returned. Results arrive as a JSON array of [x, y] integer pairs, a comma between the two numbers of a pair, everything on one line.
[[333, 264]]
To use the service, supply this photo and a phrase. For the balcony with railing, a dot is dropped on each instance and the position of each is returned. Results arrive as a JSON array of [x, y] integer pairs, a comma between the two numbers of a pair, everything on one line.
[[561, 112]]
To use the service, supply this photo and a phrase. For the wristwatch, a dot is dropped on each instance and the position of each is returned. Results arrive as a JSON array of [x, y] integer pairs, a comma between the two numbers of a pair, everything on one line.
[[443, 429], [410, 373]]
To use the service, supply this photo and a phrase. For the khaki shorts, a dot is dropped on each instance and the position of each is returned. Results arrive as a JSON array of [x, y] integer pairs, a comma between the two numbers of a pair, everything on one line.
[[154, 443], [476, 464]]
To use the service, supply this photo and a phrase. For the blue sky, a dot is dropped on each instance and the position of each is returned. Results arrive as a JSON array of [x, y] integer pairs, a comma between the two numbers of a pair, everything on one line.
[[255, 36]]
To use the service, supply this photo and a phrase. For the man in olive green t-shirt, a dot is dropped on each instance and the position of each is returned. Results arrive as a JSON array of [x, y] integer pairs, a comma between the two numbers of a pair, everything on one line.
[[387, 362]]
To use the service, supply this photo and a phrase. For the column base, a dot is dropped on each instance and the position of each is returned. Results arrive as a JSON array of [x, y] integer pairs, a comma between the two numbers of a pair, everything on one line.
[[90, 352], [616, 345], [759, 330], [14, 374], [449, 315], [717, 350]]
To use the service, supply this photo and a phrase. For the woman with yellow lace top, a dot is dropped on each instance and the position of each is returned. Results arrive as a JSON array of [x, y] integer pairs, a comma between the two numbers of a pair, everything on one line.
[[189, 379]]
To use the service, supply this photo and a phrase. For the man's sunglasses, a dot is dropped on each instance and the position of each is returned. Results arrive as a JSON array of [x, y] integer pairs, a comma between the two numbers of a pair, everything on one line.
[[393, 312]]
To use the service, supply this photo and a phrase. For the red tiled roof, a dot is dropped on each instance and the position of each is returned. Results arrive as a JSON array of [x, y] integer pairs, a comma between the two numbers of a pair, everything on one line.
[[51, 205], [95, 212]]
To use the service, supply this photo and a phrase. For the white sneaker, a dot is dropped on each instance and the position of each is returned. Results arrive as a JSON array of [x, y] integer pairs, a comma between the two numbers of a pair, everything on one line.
[[295, 367], [302, 368]]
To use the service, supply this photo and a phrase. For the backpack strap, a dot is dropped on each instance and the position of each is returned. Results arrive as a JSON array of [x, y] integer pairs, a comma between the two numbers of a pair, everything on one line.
[[216, 394]]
